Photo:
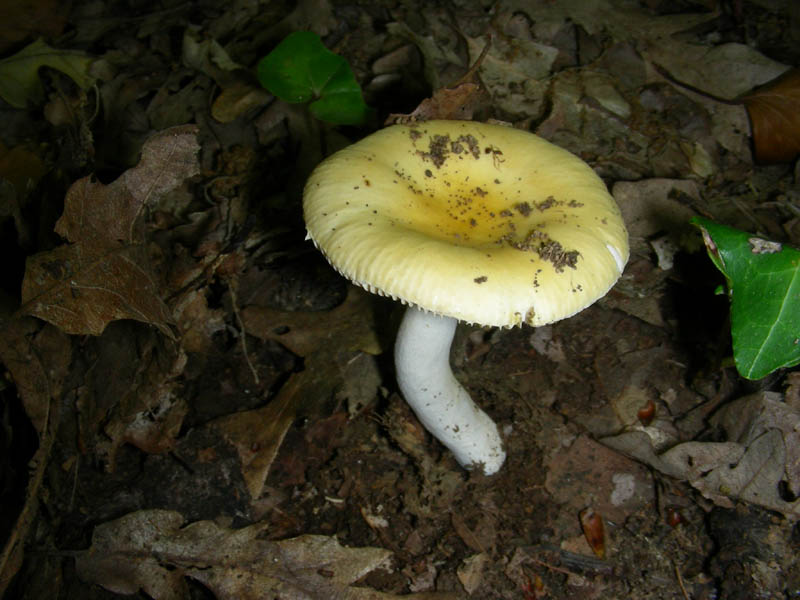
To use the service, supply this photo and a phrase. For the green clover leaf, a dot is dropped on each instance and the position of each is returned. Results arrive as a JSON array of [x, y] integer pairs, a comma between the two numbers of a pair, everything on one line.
[[302, 69]]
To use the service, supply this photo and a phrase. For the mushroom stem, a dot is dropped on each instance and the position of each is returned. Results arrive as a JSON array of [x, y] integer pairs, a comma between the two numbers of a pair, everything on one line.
[[422, 361]]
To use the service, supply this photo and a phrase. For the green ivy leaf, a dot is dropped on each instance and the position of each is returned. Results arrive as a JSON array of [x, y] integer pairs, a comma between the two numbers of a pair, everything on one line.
[[763, 281], [19, 74], [302, 69]]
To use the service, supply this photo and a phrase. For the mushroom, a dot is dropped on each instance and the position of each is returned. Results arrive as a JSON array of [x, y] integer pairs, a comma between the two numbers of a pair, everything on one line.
[[464, 221]]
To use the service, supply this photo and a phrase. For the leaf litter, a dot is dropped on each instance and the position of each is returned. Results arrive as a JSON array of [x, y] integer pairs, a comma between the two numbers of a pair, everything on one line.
[[207, 397]]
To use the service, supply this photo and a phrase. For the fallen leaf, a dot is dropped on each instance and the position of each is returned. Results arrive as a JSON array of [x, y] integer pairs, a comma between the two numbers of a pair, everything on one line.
[[258, 434], [38, 360], [105, 274], [131, 393], [456, 102], [512, 73], [205, 54], [760, 459], [149, 416], [305, 332], [470, 572], [774, 110], [80, 293], [20, 85], [236, 99], [748, 418], [154, 551], [196, 321]]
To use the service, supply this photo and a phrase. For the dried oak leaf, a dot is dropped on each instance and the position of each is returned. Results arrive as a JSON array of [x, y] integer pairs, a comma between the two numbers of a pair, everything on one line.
[[153, 551], [104, 273], [774, 110]]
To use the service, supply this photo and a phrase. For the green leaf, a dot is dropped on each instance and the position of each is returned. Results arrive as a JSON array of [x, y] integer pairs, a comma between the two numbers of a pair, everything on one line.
[[302, 69], [20, 85], [763, 280]]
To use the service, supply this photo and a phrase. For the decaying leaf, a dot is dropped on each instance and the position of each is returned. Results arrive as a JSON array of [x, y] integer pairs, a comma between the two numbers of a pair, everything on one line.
[[150, 414], [19, 74], [758, 463], [470, 572], [305, 332], [458, 101], [258, 434], [104, 273], [131, 393], [774, 111], [512, 72], [37, 359], [153, 551], [748, 419]]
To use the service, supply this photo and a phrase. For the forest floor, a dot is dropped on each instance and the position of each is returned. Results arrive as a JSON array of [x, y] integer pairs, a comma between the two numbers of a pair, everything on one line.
[[196, 405]]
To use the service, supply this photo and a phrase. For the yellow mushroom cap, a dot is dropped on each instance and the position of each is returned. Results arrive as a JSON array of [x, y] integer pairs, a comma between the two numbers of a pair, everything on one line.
[[483, 223]]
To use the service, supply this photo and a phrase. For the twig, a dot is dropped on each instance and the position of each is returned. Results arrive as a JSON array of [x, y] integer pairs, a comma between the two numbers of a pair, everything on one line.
[[13, 552], [680, 581], [551, 567], [242, 332]]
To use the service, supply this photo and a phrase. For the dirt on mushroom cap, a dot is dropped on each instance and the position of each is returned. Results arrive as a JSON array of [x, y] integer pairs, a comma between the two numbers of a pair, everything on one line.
[[480, 222]]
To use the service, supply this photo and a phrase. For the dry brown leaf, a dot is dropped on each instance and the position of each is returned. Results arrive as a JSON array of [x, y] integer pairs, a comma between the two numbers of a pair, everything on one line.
[[237, 99], [258, 434], [151, 550], [774, 111], [749, 418], [150, 414], [305, 332], [38, 360], [760, 460], [131, 393], [104, 274], [457, 102]]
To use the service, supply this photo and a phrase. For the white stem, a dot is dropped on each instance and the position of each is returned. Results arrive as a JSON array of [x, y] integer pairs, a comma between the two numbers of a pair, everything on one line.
[[422, 361]]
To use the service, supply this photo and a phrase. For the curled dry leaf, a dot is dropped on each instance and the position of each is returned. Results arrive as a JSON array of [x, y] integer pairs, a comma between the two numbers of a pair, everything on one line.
[[104, 273], [774, 111], [457, 102]]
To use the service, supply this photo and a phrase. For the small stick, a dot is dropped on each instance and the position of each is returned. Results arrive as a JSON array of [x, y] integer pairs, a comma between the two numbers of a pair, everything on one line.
[[242, 332]]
